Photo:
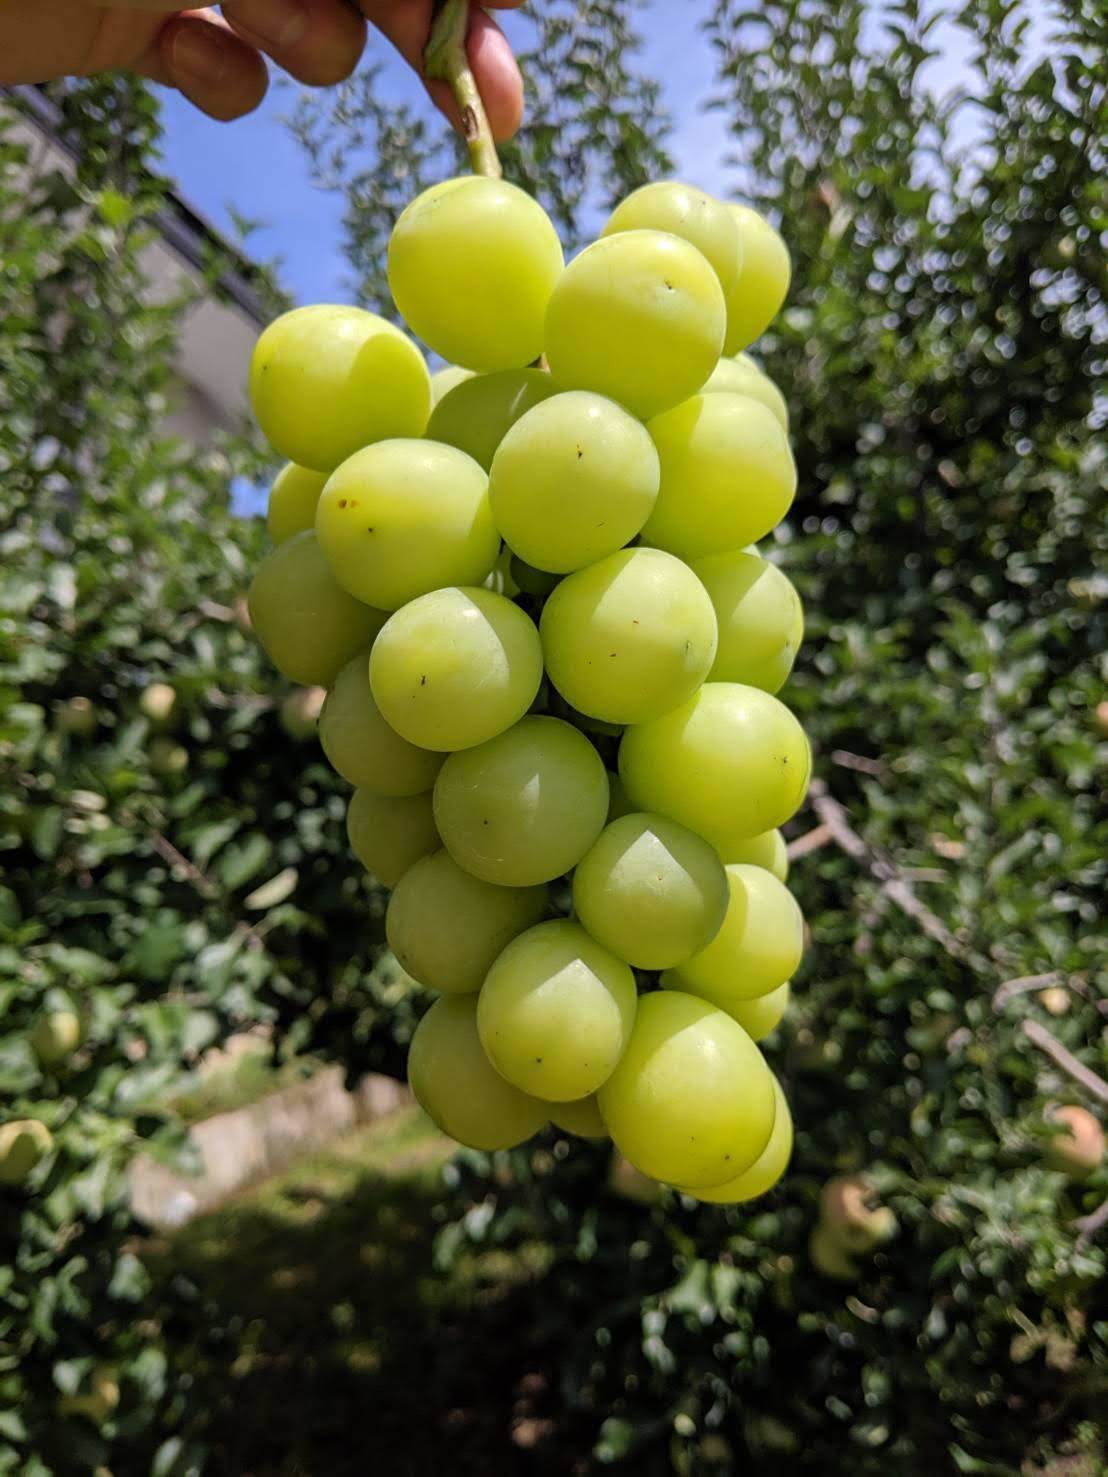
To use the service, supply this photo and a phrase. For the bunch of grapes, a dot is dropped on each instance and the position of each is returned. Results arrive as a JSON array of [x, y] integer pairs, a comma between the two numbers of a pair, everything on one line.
[[530, 586]]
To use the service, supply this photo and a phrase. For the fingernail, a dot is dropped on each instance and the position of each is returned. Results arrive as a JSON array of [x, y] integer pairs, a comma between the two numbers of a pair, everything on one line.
[[199, 52], [273, 22]]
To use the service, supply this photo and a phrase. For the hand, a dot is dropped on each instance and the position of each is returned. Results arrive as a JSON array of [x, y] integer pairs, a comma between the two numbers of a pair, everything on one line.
[[217, 60]]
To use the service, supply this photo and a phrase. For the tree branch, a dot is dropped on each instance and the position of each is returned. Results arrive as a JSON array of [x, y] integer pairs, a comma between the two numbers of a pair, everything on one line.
[[1039, 1036], [896, 888], [834, 817]]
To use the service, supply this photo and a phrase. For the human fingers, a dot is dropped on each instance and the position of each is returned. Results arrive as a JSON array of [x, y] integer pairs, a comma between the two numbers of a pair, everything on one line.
[[317, 41], [198, 53]]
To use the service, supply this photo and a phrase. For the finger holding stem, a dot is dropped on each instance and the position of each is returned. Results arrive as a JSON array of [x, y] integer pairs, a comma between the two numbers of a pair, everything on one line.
[[445, 58]]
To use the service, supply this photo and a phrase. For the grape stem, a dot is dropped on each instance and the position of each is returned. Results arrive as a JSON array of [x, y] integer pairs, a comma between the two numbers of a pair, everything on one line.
[[445, 58]]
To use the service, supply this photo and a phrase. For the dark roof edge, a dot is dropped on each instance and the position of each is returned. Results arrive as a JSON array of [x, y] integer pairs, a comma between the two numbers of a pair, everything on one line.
[[182, 226]]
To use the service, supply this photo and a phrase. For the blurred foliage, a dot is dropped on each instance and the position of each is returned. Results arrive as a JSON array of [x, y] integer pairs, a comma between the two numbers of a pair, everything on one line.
[[167, 879], [943, 351]]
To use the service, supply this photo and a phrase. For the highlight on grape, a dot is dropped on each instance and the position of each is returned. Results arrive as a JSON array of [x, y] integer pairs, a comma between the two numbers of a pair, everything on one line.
[[530, 583]]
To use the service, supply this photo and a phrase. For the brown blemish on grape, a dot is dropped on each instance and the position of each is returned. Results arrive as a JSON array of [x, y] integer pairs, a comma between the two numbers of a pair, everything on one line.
[[342, 502], [423, 680]]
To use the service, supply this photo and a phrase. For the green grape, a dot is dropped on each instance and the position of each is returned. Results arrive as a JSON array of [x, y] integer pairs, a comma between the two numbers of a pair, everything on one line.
[[404, 517], [761, 1016], [683, 210], [556, 1011], [652, 892], [766, 1170], [758, 947], [741, 376], [326, 381], [581, 1118], [477, 414], [574, 479], [292, 501], [459, 1089], [732, 761], [308, 624], [538, 582], [445, 380], [765, 850], [446, 928], [389, 833], [630, 637], [728, 475], [526, 806], [755, 297], [360, 744], [456, 667], [761, 620], [638, 317], [758, 1017], [691, 1102], [472, 264], [619, 802]]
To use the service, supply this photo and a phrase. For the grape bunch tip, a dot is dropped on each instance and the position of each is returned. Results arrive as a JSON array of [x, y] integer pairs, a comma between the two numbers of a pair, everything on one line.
[[551, 651]]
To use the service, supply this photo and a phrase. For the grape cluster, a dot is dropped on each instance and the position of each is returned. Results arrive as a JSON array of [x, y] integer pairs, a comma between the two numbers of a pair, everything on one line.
[[529, 583]]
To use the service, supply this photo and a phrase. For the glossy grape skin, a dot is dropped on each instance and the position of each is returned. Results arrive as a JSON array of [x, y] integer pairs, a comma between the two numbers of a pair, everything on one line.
[[581, 1118], [691, 1102], [292, 501], [758, 1017], [760, 619], [447, 928], [651, 891], [683, 210], [456, 667], [574, 479], [402, 518], [767, 850], [445, 380], [730, 762], [758, 948], [479, 305], [360, 744], [458, 1088], [758, 292], [630, 637], [476, 415], [555, 1012], [525, 807], [388, 834], [728, 475], [766, 1170], [638, 317], [327, 380], [741, 376], [308, 624]]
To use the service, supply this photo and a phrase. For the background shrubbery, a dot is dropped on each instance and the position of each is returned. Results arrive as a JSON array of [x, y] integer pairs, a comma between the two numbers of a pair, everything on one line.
[[172, 881]]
